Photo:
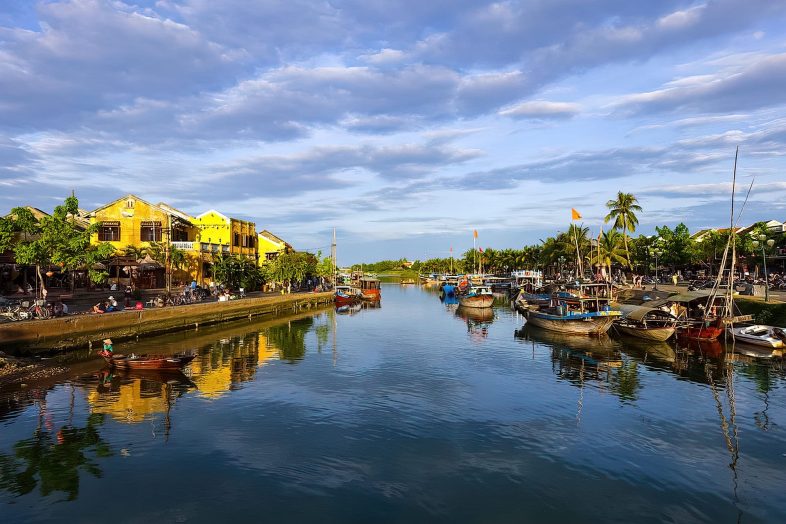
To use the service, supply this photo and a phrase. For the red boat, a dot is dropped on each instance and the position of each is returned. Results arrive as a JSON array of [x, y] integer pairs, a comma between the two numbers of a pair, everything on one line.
[[346, 296], [370, 288], [702, 331], [149, 361]]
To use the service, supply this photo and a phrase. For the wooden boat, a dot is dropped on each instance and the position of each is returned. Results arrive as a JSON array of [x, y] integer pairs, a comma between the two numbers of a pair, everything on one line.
[[586, 313], [408, 281], [647, 323], [477, 297], [346, 295], [370, 288], [142, 362], [759, 335]]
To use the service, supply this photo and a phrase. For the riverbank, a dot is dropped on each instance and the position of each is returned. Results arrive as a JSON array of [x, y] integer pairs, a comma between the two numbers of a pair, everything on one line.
[[42, 336]]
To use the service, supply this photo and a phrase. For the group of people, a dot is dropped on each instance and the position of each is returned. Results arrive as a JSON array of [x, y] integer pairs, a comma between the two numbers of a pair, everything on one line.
[[106, 306]]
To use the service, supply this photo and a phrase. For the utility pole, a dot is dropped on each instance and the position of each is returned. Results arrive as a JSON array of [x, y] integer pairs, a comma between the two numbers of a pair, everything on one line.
[[333, 257]]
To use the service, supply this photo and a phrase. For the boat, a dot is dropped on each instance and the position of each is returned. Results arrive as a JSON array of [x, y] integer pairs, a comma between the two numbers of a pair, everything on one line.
[[346, 295], [158, 362], [477, 297], [587, 312], [370, 288], [408, 281], [647, 323], [759, 335]]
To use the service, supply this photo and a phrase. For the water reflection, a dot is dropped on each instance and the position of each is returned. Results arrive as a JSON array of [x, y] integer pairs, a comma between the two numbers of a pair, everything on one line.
[[478, 321], [134, 396], [54, 456]]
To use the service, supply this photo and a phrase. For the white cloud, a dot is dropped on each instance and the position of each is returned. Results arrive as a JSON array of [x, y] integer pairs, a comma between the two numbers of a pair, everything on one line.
[[542, 109]]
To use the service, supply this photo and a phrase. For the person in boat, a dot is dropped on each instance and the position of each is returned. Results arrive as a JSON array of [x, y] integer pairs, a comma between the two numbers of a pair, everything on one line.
[[107, 351]]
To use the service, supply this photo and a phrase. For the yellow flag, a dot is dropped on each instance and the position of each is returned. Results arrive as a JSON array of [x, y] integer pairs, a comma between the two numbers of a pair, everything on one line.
[[475, 233], [575, 214]]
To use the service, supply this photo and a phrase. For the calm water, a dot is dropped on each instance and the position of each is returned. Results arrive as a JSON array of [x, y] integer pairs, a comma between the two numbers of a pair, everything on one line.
[[412, 412]]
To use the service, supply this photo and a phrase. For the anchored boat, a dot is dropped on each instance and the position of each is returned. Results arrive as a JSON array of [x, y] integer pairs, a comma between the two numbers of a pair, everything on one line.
[[477, 297], [586, 312]]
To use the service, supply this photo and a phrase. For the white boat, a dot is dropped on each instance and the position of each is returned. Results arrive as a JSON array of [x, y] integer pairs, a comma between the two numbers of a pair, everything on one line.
[[760, 335]]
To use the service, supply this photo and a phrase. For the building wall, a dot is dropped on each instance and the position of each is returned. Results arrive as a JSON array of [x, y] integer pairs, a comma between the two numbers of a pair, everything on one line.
[[267, 246], [130, 213]]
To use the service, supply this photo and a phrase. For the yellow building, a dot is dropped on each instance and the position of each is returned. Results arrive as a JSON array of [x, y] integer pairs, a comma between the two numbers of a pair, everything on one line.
[[223, 234], [132, 221], [270, 246]]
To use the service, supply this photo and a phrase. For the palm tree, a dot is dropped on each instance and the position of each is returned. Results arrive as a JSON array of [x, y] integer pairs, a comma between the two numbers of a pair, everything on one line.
[[610, 250], [622, 210]]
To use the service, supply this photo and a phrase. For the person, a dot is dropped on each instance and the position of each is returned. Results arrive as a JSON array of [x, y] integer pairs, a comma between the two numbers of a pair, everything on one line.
[[111, 304], [100, 308], [128, 292], [61, 309], [107, 351], [674, 278]]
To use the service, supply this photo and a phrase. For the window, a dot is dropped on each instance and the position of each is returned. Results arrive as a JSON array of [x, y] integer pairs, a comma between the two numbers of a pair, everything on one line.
[[150, 232], [109, 232], [179, 235], [236, 240], [271, 256]]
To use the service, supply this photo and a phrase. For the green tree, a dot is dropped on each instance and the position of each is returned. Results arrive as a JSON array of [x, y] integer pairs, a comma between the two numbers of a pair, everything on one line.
[[610, 250], [58, 239], [678, 248], [291, 267], [623, 212]]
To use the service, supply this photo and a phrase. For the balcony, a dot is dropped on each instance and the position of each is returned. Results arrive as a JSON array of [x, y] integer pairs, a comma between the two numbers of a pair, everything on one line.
[[184, 246], [214, 248]]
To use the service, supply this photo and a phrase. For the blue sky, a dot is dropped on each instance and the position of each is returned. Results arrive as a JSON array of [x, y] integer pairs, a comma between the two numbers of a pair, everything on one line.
[[404, 124]]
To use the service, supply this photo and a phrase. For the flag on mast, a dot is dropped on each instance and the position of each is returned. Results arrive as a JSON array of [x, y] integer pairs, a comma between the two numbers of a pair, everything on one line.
[[475, 233], [575, 215]]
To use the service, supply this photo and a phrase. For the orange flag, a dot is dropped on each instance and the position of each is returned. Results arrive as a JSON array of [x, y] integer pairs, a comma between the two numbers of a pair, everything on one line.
[[475, 233], [575, 214]]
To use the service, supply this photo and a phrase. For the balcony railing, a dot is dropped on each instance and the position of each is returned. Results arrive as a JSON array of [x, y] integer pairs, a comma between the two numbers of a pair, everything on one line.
[[185, 246], [214, 248]]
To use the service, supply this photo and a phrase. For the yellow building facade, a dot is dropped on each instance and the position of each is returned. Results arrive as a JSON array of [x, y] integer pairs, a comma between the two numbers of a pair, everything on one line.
[[222, 234], [270, 246], [132, 221]]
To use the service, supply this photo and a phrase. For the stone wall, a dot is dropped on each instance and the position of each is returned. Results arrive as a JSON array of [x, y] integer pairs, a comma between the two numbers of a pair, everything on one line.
[[37, 336]]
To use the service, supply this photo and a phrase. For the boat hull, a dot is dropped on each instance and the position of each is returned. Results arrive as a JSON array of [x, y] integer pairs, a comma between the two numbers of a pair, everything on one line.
[[160, 363], [371, 294], [701, 333], [477, 301], [571, 326], [660, 334], [764, 338]]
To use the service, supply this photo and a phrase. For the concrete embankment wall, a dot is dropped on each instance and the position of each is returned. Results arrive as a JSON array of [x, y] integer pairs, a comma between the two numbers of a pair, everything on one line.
[[36, 336]]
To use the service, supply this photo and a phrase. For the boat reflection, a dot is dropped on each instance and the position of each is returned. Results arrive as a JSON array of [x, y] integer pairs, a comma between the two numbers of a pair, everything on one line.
[[478, 320]]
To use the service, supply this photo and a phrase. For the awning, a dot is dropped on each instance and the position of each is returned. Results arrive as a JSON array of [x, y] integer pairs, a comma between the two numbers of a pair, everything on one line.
[[638, 314]]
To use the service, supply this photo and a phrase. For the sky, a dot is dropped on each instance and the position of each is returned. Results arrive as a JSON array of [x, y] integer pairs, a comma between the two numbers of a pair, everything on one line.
[[403, 124]]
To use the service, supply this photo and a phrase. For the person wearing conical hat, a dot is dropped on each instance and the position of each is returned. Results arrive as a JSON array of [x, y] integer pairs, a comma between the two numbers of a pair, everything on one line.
[[108, 350]]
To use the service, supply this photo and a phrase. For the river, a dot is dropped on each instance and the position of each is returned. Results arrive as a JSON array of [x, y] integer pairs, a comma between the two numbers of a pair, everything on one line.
[[415, 411]]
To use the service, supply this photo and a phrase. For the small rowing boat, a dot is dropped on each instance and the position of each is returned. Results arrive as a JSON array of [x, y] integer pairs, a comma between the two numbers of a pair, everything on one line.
[[140, 362]]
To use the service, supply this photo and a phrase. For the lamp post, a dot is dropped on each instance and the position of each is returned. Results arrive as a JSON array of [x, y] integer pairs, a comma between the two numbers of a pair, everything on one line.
[[561, 260], [763, 240]]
